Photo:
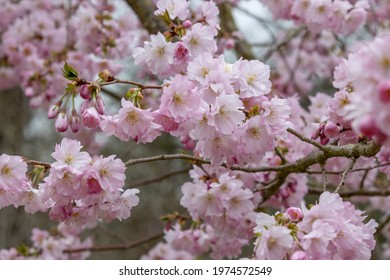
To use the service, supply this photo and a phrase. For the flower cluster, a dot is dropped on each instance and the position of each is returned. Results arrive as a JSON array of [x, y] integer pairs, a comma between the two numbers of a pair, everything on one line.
[[81, 190], [364, 90], [334, 15], [331, 229], [37, 37], [51, 245]]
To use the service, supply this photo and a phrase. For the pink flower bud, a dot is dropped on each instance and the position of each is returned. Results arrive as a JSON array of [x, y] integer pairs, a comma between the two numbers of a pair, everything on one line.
[[331, 130], [100, 107], [230, 44], [294, 214], [74, 122], [86, 104], [62, 122], [384, 91], [85, 93], [53, 111], [299, 255], [91, 118], [181, 53], [187, 24]]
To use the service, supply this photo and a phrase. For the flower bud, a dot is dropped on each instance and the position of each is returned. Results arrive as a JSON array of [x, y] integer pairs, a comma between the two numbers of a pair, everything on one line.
[[53, 111], [100, 105], [74, 122], [331, 130], [230, 44], [187, 24], [62, 122], [294, 214], [85, 93], [91, 118]]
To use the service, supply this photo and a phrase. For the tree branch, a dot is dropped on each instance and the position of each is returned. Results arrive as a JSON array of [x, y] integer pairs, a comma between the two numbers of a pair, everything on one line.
[[144, 9], [228, 26], [99, 248]]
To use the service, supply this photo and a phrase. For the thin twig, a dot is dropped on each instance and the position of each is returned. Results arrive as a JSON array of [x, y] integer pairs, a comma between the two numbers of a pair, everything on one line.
[[324, 177], [345, 173], [305, 139], [348, 194], [141, 183], [142, 86], [166, 157], [99, 248], [35, 162]]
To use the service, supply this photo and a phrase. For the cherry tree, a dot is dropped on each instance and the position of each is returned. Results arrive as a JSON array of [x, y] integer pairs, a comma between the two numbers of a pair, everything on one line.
[[288, 139]]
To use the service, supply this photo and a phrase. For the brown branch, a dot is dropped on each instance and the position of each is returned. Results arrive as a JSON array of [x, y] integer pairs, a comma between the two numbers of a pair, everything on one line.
[[35, 162], [305, 139], [144, 10], [142, 86], [159, 178], [100, 248], [348, 194], [166, 157], [228, 26]]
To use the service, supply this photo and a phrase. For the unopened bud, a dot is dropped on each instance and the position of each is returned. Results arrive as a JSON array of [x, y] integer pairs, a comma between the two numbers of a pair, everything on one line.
[[54, 110], [74, 122], [331, 130], [91, 118], [187, 24], [294, 214], [85, 93], [62, 123], [100, 107], [105, 75]]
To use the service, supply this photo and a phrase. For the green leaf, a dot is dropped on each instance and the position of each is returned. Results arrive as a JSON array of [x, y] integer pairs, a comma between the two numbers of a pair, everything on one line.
[[69, 72]]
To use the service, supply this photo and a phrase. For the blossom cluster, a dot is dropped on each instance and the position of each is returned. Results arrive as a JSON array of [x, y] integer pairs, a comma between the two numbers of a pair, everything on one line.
[[331, 229], [364, 90], [338, 16], [79, 190], [50, 245], [36, 37]]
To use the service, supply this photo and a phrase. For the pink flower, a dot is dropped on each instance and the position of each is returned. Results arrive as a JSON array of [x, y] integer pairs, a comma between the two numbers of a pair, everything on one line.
[[158, 54], [137, 123], [68, 157], [12, 172], [110, 173], [175, 8], [200, 39], [180, 99], [254, 78], [274, 243], [226, 115]]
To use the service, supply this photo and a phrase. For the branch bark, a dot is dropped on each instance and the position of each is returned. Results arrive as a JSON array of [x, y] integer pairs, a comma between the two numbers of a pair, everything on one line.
[[145, 11], [228, 25]]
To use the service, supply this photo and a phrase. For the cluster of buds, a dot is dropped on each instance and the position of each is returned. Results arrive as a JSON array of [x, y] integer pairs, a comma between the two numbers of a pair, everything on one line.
[[91, 109]]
